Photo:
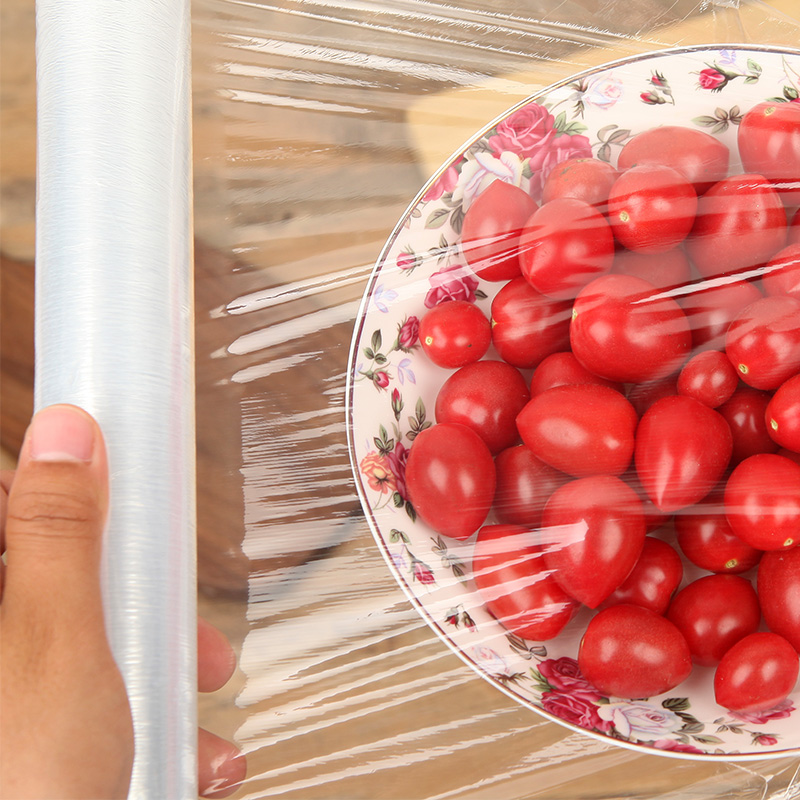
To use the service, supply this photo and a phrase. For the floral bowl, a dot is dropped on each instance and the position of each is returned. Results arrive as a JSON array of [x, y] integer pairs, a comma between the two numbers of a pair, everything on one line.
[[392, 386]]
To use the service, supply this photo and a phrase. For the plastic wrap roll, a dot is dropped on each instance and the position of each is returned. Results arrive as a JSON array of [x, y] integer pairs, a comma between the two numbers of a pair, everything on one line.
[[114, 332]]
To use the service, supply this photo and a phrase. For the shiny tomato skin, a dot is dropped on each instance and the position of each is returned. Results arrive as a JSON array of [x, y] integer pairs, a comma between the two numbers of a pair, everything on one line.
[[663, 270], [782, 416], [713, 613], [757, 673], [515, 585], [455, 333], [745, 414], [491, 230], [651, 208], [782, 272], [450, 479], [631, 652], [709, 377], [560, 369], [580, 429], [682, 450], [586, 179], [762, 502], [565, 244], [528, 326], [623, 329], [485, 396], [593, 531], [778, 586], [653, 580]]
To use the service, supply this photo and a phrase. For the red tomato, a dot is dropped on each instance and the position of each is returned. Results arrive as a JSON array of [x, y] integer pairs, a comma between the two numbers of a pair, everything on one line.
[[778, 590], [782, 273], [701, 158], [713, 613], [564, 245], [516, 587], [455, 333], [651, 208], [632, 652], [559, 369], [762, 502], [783, 415], [794, 228], [744, 413], [450, 479], [524, 484], [623, 329], [769, 144], [587, 179], [580, 429], [653, 580], [485, 396], [526, 325], [491, 230], [757, 673], [593, 532], [663, 270], [682, 450], [740, 224], [708, 377], [763, 342]]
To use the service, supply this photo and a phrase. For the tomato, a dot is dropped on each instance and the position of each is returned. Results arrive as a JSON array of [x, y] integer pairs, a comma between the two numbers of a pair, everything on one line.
[[450, 479], [653, 580], [593, 532], [713, 613], [697, 155], [455, 333], [682, 450], [782, 272], [778, 586], [783, 415], [740, 224], [587, 179], [708, 377], [624, 329], [524, 484], [651, 208], [580, 429], [485, 396], [491, 230], [515, 585], [769, 143], [757, 673], [564, 245], [794, 228], [559, 369], [762, 502], [633, 653], [663, 270], [526, 325], [763, 341], [745, 415]]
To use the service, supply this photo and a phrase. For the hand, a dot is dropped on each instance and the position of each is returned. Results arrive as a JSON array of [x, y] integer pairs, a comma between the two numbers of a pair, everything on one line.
[[65, 723]]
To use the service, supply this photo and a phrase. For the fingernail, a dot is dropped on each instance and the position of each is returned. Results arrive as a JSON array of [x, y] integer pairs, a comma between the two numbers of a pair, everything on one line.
[[61, 433]]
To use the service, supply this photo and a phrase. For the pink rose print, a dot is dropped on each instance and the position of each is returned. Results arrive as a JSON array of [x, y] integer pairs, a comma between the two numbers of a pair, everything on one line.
[[396, 461], [409, 333], [423, 574], [451, 283], [712, 79], [678, 747], [445, 183], [575, 710], [765, 740], [524, 132], [407, 261], [781, 711], [381, 380], [564, 675], [560, 149], [375, 468]]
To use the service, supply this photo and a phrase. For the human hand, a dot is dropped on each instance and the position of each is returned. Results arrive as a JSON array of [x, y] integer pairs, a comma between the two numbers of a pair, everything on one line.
[[65, 721]]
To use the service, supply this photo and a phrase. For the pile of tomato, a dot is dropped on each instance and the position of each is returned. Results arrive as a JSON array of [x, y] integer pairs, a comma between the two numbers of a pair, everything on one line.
[[631, 406]]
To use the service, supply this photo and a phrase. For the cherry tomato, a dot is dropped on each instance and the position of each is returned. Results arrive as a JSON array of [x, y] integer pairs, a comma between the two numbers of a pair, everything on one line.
[[564, 245], [782, 272], [491, 230], [559, 369], [663, 270], [623, 329], [757, 673], [526, 325], [653, 580], [455, 333], [682, 450], [778, 587], [762, 502], [740, 225], [783, 415], [713, 613], [701, 158], [593, 532], [485, 396], [708, 377], [524, 484], [587, 179], [450, 479], [763, 341], [580, 429], [745, 414], [631, 652], [515, 585], [651, 208]]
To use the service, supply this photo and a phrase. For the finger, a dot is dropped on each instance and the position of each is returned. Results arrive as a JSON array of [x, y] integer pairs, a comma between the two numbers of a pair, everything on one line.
[[216, 660], [222, 766]]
